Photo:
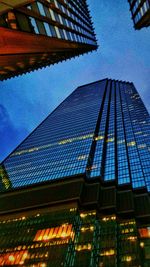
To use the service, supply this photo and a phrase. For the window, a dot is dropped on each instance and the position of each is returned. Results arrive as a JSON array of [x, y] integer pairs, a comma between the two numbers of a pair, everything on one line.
[[47, 28], [34, 25], [41, 8]]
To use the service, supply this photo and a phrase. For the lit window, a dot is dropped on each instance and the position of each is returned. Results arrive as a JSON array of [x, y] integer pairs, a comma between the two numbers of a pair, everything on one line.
[[84, 215], [12, 20], [110, 140], [145, 232], [83, 247], [111, 218], [89, 228], [99, 138], [126, 258], [82, 157], [142, 244], [13, 258], [61, 232], [110, 252], [131, 143]]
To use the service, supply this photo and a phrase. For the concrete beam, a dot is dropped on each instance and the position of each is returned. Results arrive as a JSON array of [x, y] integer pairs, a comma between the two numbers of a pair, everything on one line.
[[6, 5]]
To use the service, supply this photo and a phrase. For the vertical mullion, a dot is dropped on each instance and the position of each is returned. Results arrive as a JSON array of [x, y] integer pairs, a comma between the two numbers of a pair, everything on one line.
[[93, 150], [107, 106], [123, 171], [134, 160]]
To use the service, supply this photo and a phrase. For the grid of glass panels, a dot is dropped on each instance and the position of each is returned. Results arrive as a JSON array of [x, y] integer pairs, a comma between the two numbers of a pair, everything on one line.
[[123, 173], [71, 238], [60, 146], [122, 143], [109, 166], [141, 128], [101, 130], [66, 20], [136, 171], [140, 9], [98, 166]]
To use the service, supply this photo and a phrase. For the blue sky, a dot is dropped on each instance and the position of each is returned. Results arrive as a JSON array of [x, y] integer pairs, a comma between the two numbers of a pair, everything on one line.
[[123, 54]]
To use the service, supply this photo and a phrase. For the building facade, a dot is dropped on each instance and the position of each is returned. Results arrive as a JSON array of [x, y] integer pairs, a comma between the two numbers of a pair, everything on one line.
[[140, 10], [75, 192], [35, 34]]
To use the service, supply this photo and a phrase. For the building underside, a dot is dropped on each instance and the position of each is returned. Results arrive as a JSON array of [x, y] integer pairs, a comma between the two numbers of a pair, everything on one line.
[[6, 5], [28, 52], [75, 223], [36, 34], [144, 21], [140, 13]]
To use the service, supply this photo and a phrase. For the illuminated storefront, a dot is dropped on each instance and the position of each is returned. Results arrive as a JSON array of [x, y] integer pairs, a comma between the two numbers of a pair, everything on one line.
[[75, 240]]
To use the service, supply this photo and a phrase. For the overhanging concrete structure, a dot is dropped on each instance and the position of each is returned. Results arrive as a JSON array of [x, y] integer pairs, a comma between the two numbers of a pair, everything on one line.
[[36, 34]]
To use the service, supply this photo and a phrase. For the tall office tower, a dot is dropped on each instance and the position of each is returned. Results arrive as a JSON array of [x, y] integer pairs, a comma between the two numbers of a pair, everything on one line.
[[140, 10], [35, 34], [75, 192]]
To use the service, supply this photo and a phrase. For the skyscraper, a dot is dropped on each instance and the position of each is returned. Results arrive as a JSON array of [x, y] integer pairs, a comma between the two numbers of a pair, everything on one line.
[[75, 192], [140, 10], [35, 34]]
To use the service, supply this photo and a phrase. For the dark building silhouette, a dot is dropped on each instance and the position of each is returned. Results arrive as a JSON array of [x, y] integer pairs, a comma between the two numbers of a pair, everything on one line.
[[35, 34], [75, 192], [140, 10]]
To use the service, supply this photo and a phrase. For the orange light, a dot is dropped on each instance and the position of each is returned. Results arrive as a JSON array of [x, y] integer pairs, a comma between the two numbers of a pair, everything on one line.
[[83, 247], [64, 231], [132, 238], [145, 232], [64, 235], [45, 237], [14, 258], [91, 228], [11, 258]]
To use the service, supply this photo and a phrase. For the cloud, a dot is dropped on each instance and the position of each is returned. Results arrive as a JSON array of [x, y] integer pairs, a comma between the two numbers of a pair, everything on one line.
[[10, 137], [123, 54]]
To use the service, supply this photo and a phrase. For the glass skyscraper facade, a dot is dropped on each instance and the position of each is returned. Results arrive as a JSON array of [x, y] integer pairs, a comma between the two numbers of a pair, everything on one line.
[[140, 10], [75, 192], [40, 33], [100, 130]]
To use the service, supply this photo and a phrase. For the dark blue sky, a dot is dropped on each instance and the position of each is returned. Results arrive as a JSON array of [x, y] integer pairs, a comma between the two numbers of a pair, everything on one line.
[[123, 54]]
